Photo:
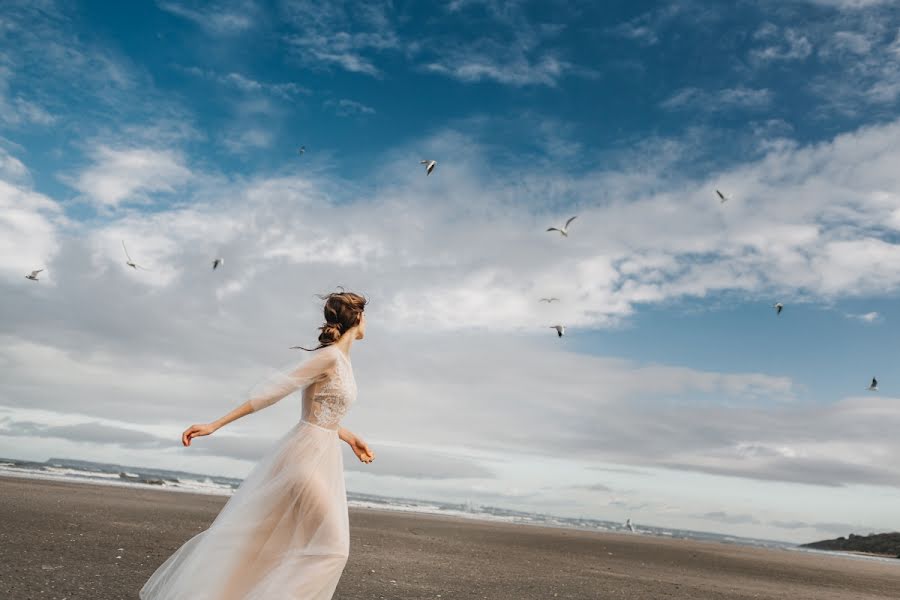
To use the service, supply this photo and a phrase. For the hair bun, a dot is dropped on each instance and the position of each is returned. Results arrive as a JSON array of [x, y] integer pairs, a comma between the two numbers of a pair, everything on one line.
[[330, 332], [343, 311]]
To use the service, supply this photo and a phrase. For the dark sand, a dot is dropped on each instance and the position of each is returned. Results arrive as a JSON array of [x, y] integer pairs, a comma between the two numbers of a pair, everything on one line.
[[60, 541]]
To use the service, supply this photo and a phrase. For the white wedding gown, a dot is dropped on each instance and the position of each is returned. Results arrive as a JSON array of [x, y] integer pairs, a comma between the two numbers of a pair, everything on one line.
[[284, 534]]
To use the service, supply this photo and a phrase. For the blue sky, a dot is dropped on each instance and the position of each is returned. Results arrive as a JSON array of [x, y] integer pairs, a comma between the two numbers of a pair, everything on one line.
[[677, 398]]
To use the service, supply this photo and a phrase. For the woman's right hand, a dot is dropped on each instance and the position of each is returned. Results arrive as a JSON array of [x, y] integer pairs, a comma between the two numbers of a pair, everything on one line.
[[195, 431]]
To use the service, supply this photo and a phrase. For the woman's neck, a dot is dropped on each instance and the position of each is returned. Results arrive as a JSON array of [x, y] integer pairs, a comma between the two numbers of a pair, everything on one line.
[[346, 341]]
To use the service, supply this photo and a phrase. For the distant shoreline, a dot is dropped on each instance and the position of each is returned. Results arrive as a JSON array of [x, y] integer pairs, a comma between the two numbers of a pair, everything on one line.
[[876, 544]]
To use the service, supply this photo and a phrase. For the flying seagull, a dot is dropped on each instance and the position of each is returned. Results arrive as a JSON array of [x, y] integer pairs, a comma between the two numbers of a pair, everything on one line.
[[301, 150], [722, 197], [429, 165], [130, 262], [548, 300], [873, 387], [778, 308], [565, 229], [629, 526], [218, 263], [560, 329], [34, 275]]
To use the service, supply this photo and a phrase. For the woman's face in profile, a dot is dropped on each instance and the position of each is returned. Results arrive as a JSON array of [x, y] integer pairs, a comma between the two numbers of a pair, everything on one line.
[[361, 329]]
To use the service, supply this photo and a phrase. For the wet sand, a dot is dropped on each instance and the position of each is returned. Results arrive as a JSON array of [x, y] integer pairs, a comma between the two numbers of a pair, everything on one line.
[[62, 541]]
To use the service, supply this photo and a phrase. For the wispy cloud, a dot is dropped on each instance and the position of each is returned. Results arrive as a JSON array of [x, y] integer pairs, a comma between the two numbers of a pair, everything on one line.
[[239, 141], [724, 99], [218, 18], [519, 70], [340, 34], [16, 109], [285, 90], [518, 52], [779, 44], [349, 108], [473, 68], [869, 317], [646, 28], [869, 72], [848, 4]]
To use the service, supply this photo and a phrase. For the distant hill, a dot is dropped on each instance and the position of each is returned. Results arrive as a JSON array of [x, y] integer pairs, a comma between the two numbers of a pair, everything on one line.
[[887, 544]]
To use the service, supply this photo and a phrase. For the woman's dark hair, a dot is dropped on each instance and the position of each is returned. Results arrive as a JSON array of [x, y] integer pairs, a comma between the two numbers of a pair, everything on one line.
[[343, 310]]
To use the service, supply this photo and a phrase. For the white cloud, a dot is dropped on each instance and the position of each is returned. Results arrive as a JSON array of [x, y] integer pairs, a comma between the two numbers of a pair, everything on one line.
[[340, 34], [246, 140], [724, 99], [349, 108], [16, 109], [780, 44], [869, 317], [850, 41], [848, 4], [517, 70], [647, 27], [218, 19], [518, 51], [29, 225], [129, 175], [12, 169], [285, 90]]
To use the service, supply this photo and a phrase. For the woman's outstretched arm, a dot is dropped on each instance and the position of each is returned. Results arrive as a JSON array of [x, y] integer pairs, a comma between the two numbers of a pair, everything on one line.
[[273, 390], [205, 429]]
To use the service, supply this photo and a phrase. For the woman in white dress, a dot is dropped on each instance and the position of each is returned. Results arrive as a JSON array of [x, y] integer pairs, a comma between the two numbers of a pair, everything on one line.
[[284, 533]]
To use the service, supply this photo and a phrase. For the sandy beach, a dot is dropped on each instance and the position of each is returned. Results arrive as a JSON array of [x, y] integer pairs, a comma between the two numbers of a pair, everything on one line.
[[72, 541]]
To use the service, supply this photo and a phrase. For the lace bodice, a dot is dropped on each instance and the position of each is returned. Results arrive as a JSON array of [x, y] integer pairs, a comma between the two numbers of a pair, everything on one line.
[[328, 385], [326, 403]]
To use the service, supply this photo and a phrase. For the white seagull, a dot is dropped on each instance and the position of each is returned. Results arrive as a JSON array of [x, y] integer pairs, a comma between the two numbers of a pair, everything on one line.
[[548, 300], [218, 263], [873, 387], [778, 308], [429, 165], [130, 262], [722, 197], [565, 229], [629, 526], [560, 329], [301, 150], [33, 275]]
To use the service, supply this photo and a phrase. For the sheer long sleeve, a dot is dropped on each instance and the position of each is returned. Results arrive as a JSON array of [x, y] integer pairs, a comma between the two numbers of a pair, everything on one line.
[[276, 387]]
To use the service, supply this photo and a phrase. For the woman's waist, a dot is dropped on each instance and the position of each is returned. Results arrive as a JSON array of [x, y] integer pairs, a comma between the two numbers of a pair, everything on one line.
[[331, 429]]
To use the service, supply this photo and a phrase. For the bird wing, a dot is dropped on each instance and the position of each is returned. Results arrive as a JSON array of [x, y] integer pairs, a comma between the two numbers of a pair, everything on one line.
[[552, 229], [423, 162], [721, 195], [126, 250], [36, 272], [570, 220]]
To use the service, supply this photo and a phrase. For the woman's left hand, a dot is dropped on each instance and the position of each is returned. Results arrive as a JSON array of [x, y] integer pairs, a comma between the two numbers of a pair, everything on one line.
[[361, 450]]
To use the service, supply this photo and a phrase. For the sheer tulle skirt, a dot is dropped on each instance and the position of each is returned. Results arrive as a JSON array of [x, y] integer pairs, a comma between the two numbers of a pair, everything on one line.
[[283, 534]]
